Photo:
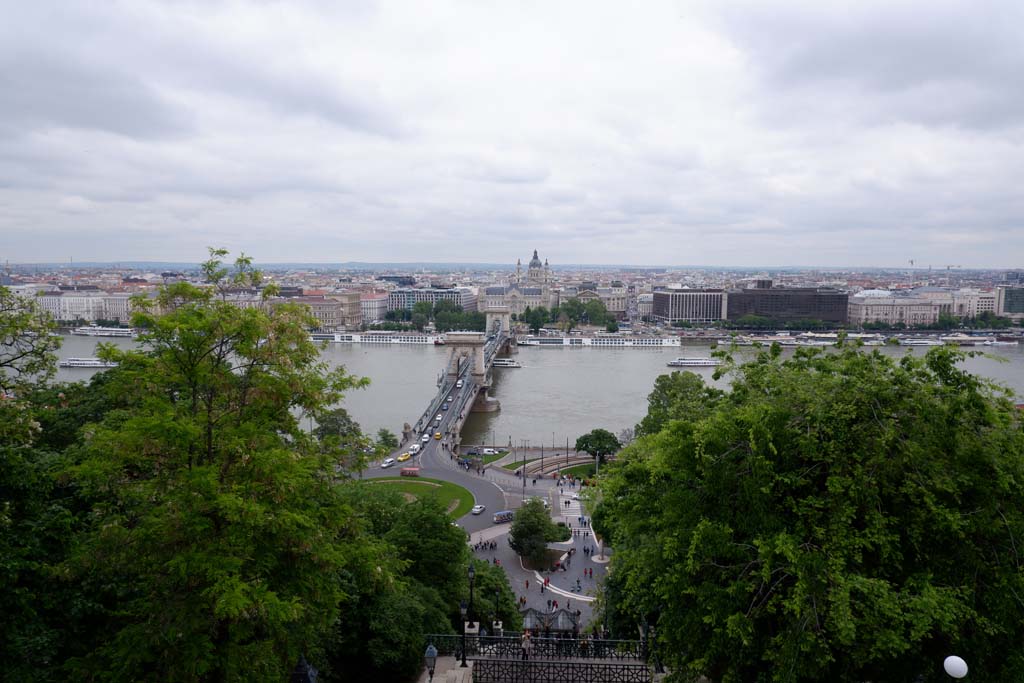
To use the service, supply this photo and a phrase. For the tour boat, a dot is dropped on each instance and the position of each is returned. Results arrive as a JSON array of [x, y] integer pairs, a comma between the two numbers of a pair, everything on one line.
[[920, 342], [98, 331], [86, 363], [439, 342], [694, 362], [506, 363]]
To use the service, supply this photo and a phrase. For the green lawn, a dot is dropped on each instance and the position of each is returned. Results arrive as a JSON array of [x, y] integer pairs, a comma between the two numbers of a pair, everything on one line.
[[488, 459], [580, 471], [445, 491], [513, 466]]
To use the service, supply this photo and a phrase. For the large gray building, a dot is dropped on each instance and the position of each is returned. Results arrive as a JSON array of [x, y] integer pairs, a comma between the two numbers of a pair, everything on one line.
[[407, 297]]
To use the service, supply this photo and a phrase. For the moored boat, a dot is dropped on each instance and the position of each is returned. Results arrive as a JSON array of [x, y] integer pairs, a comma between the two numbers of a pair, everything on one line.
[[694, 362], [86, 363]]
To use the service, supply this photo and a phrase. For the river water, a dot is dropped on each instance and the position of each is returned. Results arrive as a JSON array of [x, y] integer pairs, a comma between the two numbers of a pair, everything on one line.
[[558, 394]]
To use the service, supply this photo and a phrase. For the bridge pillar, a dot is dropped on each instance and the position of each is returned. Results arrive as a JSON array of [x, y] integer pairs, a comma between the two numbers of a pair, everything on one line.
[[466, 347], [502, 316]]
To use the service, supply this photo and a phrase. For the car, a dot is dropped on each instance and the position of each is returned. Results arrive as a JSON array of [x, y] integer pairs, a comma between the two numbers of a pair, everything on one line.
[[477, 509], [444, 406], [490, 451], [450, 399], [437, 435], [404, 456], [438, 418], [388, 462], [576, 496], [414, 449], [426, 438], [458, 385], [472, 451]]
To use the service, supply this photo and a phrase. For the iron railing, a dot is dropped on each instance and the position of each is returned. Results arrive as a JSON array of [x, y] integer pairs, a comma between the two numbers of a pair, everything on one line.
[[542, 648], [534, 671]]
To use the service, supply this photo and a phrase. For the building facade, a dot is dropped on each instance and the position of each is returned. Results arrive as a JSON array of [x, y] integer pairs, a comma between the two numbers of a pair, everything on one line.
[[789, 303], [689, 305], [530, 290], [373, 306], [880, 306], [1010, 302], [407, 297]]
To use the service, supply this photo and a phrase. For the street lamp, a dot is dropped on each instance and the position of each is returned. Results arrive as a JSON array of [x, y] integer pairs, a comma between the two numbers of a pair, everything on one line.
[[472, 576], [430, 659], [955, 666], [462, 610]]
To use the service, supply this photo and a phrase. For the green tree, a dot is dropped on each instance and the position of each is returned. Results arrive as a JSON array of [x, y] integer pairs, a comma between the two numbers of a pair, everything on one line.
[[839, 516], [536, 318], [217, 533], [573, 311], [677, 396], [27, 347], [595, 312], [611, 326], [423, 308], [598, 443], [532, 530], [386, 440], [419, 321]]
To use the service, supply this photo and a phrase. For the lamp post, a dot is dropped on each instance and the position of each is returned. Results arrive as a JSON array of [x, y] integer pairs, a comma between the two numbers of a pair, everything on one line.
[[955, 666], [472, 577], [430, 659], [462, 610]]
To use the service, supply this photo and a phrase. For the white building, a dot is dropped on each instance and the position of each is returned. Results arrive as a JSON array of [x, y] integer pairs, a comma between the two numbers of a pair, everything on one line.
[[878, 305], [373, 305]]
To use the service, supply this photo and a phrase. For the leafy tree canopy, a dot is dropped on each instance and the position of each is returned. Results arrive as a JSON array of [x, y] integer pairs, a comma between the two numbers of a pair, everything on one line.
[[840, 516], [598, 443], [532, 530], [679, 395]]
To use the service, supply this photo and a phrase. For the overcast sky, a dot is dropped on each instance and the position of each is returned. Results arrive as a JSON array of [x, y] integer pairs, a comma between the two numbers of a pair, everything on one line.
[[716, 133]]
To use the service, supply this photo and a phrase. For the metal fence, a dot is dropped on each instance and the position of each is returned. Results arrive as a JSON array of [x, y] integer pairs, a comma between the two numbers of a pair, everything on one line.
[[541, 648], [532, 671]]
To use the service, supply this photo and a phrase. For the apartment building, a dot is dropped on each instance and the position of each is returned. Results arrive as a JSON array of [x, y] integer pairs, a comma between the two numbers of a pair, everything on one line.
[[689, 305]]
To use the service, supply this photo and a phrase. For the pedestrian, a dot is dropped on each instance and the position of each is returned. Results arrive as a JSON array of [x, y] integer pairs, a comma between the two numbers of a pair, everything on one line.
[[549, 604], [527, 584], [526, 645]]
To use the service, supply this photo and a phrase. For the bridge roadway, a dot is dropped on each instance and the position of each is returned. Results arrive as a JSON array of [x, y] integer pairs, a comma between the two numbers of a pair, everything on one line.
[[434, 458]]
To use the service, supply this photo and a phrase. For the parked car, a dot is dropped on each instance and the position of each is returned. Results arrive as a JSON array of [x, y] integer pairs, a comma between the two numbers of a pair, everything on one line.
[[388, 462], [490, 451], [477, 509]]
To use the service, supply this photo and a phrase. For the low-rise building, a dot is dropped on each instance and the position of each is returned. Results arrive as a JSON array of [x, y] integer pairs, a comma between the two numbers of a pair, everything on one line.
[[890, 308]]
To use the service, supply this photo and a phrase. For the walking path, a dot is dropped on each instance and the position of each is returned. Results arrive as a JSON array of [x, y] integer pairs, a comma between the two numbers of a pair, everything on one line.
[[527, 582]]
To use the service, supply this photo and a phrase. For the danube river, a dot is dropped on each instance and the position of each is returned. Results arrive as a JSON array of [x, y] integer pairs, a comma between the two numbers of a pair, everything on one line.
[[558, 394]]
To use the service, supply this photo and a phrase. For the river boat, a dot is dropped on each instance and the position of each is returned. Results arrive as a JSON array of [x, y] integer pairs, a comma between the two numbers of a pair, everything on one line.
[[439, 342], [920, 342], [999, 342], [505, 363], [86, 363], [694, 363], [99, 331], [383, 337], [608, 342]]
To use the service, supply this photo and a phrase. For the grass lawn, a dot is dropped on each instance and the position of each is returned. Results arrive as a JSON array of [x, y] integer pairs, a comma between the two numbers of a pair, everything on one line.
[[447, 492], [513, 466], [488, 459], [580, 471]]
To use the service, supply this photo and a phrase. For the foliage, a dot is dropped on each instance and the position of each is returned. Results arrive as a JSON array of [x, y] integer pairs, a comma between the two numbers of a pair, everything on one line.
[[598, 443], [27, 349], [387, 441], [677, 396], [611, 326], [536, 318], [838, 516], [532, 530], [215, 522]]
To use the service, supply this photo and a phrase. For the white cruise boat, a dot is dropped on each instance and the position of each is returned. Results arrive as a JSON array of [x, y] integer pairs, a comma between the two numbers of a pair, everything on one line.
[[606, 342], [86, 363], [694, 363], [98, 331], [505, 363], [920, 342]]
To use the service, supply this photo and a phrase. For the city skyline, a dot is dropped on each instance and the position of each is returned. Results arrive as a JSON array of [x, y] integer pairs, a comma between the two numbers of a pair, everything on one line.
[[793, 135]]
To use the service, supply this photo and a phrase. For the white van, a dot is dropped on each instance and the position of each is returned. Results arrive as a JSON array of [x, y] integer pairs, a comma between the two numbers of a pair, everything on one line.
[[414, 449]]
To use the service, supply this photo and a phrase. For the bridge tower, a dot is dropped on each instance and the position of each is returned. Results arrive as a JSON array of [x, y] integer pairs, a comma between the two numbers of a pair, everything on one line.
[[501, 316], [466, 347]]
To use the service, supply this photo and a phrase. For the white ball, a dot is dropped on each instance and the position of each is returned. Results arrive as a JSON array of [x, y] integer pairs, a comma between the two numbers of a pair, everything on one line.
[[955, 667]]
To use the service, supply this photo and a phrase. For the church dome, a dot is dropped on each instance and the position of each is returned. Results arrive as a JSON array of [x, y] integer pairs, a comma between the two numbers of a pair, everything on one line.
[[535, 261]]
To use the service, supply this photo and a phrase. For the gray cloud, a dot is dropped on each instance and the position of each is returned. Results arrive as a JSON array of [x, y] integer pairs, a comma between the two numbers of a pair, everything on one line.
[[799, 132]]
